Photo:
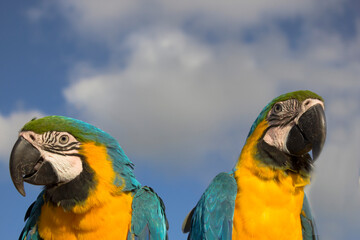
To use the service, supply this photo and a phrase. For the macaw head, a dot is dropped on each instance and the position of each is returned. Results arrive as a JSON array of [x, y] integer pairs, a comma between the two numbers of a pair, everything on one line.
[[288, 129], [70, 158]]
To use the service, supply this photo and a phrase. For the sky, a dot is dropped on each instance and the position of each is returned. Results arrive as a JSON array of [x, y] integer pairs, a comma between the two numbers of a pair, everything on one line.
[[179, 84]]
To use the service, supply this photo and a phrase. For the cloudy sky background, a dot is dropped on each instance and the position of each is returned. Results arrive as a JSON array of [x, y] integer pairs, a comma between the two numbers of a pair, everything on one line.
[[179, 83]]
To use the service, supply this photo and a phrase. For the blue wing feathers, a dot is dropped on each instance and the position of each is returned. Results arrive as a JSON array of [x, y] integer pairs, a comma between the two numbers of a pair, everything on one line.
[[307, 222], [148, 216], [29, 231], [28, 211], [212, 216]]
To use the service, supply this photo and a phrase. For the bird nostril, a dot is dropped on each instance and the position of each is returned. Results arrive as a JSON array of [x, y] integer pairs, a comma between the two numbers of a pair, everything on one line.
[[307, 102], [32, 137]]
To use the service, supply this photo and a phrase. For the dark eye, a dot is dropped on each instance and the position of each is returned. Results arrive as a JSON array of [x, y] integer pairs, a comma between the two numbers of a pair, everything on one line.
[[32, 137], [64, 139], [277, 108]]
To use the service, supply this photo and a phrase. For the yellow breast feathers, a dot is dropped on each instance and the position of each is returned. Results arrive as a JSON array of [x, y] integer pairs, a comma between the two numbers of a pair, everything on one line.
[[106, 214], [269, 201]]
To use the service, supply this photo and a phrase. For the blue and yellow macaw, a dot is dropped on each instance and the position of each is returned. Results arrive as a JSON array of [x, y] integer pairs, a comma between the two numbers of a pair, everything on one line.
[[263, 197], [90, 190]]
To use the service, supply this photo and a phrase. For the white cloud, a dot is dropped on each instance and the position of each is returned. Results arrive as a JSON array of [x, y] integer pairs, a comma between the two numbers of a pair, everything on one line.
[[106, 20], [10, 126], [176, 96]]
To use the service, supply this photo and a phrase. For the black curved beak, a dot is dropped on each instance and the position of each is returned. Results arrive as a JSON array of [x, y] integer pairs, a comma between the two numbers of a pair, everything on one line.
[[26, 164], [309, 133]]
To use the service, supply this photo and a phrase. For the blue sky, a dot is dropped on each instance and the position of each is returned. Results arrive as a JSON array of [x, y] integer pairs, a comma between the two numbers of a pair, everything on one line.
[[179, 83]]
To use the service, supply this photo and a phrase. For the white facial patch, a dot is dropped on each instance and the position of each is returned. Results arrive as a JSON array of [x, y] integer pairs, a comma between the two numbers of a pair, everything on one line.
[[276, 137], [67, 167], [66, 163]]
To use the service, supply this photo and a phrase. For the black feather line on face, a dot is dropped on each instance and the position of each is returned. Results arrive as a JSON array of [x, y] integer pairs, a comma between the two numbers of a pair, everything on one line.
[[60, 150], [74, 192], [290, 110]]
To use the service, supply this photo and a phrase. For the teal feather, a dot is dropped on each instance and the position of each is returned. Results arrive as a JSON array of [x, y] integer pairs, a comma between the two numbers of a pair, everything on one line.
[[30, 231], [307, 222], [213, 215], [148, 216]]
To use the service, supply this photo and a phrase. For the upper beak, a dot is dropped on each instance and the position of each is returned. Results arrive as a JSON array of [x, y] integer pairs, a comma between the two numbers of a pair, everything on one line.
[[309, 133], [26, 164]]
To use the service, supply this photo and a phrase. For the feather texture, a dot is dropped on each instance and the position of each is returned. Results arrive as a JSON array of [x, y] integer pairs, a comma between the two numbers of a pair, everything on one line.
[[30, 231], [148, 216], [307, 222], [212, 216]]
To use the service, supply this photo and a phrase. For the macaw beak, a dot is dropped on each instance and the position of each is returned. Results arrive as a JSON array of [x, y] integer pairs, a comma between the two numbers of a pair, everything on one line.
[[26, 164], [309, 133]]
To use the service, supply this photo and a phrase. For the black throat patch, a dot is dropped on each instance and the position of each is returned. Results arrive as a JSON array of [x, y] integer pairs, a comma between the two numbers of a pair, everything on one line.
[[74, 192], [280, 160]]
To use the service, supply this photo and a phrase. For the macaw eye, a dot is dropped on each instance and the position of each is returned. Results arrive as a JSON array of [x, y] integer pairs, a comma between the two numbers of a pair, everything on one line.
[[32, 137], [277, 108], [63, 139]]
